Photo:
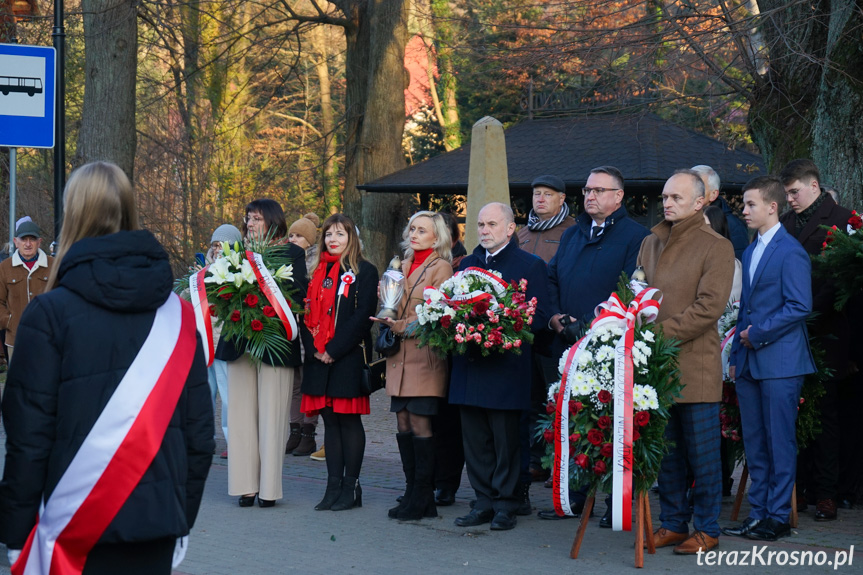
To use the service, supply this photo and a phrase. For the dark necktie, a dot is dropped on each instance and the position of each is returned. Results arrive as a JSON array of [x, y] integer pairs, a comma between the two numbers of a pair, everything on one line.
[[595, 232]]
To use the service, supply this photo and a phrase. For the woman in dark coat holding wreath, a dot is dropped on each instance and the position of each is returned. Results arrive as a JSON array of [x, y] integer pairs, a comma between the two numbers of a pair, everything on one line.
[[417, 376], [342, 295]]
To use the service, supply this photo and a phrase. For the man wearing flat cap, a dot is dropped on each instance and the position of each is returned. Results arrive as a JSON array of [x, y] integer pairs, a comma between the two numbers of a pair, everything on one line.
[[548, 219], [22, 277]]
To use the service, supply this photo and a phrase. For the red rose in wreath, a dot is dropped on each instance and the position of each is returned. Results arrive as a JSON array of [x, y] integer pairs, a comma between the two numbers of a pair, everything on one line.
[[599, 468], [574, 406], [235, 315], [606, 450], [548, 435], [603, 396], [445, 321], [595, 436], [604, 422], [251, 300], [257, 325], [549, 408], [582, 460], [641, 418]]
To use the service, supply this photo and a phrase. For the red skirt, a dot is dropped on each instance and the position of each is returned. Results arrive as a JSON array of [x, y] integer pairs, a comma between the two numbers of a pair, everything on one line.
[[313, 404]]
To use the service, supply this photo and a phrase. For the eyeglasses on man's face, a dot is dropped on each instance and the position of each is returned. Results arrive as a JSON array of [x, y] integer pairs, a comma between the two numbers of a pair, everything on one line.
[[597, 191]]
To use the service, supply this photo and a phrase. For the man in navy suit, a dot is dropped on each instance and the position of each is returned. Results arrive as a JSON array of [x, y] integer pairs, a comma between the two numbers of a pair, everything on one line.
[[770, 357]]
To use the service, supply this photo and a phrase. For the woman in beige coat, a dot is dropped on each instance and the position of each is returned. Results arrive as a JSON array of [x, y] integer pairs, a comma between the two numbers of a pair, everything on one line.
[[417, 376]]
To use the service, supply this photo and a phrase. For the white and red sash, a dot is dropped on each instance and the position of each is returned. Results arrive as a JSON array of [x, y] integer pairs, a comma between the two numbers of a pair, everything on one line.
[[498, 285], [203, 321], [118, 450], [642, 309], [271, 290]]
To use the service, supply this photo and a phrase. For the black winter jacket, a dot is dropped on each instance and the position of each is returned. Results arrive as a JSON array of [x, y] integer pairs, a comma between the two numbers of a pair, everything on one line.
[[75, 343], [342, 377]]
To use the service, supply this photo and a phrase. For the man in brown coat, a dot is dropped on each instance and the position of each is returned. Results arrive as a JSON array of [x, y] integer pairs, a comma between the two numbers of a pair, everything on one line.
[[548, 219], [22, 277], [819, 466], [693, 266]]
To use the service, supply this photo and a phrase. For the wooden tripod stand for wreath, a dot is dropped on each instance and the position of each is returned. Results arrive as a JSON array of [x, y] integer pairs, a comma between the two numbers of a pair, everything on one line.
[[643, 528]]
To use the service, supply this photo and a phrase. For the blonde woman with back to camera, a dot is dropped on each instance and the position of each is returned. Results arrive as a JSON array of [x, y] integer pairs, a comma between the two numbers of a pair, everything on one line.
[[417, 376], [107, 408]]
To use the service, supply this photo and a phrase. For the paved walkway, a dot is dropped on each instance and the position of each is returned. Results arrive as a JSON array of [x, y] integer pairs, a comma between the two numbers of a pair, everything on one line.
[[293, 538]]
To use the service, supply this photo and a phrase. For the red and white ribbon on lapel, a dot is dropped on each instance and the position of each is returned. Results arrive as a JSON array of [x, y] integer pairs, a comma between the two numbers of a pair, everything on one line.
[[347, 279], [203, 321], [118, 450], [643, 309], [274, 295]]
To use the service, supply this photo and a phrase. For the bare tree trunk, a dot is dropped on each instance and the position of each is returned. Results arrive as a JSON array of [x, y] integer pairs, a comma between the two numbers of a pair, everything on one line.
[[782, 109], [110, 64], [329, 182], [838, 129], [375, 78]]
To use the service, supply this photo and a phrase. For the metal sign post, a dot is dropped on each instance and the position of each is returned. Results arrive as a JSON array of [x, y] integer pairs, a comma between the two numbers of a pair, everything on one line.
[[27, 104]]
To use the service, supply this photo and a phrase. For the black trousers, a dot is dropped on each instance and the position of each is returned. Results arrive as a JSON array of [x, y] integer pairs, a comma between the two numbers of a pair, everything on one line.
[[142, 558], [448, 446], [492, 453]]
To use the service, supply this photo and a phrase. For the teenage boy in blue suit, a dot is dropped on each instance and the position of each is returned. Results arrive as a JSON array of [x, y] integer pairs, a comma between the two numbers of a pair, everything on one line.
[[770, 357]]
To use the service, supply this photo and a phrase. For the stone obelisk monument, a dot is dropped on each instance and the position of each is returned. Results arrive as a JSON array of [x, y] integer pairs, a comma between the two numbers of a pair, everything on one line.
[[488, 179]]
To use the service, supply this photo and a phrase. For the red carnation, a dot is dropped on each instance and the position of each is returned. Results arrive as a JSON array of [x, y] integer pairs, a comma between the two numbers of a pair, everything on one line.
[[548, 435], [251, 300], [257, 325], [599, 468], [595, 436], [856, 222], [604, 422], [480, 307], [549, 408], [235, 315], [641, 418], [518, 324], [582, 460], [603, 396], [269, 311], [445, 321], [606, 450]]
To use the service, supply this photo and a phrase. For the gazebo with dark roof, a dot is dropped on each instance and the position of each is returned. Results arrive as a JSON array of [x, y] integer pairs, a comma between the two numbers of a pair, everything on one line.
[[646, 149]]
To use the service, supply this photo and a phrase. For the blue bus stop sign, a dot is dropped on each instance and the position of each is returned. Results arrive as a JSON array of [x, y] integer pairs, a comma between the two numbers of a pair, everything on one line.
[[27, 83]]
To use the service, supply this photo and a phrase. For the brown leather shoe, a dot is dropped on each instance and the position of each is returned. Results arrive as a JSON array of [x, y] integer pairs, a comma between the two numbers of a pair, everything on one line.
[[825, 510], [662, 537], [699, 541]]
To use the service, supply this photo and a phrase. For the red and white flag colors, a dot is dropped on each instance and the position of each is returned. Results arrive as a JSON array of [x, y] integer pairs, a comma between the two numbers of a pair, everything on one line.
[[118, 450], [203, 320], [273, 294]]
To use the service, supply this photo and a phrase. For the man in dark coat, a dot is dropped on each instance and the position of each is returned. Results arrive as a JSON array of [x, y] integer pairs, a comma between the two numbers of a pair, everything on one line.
[[603, 242], [736, 228], [493, 391], [818, 467]]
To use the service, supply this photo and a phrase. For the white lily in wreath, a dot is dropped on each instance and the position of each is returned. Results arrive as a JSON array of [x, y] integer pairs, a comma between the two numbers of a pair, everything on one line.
[[220, 273]]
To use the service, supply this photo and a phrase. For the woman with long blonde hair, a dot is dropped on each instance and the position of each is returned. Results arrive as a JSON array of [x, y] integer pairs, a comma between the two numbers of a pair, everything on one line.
[[417, 376], [107, 345]]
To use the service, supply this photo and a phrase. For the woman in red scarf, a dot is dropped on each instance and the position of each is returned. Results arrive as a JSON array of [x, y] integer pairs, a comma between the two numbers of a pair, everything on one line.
[[417, 377], [342, 295]]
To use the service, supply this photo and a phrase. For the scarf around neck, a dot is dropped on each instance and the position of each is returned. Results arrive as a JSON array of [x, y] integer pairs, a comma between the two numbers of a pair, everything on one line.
[[804, 216], [321, 313], [535, 224]]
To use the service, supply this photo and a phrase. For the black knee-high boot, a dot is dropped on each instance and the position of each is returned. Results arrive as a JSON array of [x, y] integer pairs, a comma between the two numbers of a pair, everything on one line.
[[421, 503], [405, 442]]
